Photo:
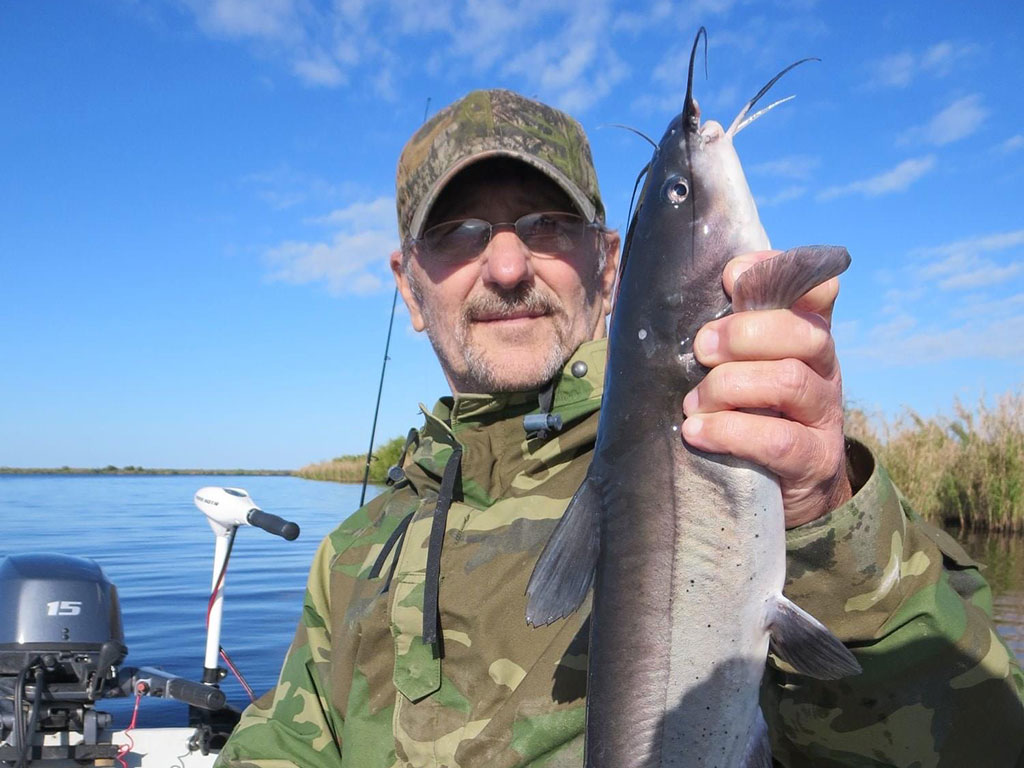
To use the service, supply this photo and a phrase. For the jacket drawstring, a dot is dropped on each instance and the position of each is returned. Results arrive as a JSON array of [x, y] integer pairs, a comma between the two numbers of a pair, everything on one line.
[[394, 543], [431, 616]]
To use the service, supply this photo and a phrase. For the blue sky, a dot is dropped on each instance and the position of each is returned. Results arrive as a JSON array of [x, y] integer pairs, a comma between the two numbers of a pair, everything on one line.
[[198, 197]]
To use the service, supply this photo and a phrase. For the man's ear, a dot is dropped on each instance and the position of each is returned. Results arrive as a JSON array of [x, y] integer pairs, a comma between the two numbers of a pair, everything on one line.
[[404, 288], [611, 268]]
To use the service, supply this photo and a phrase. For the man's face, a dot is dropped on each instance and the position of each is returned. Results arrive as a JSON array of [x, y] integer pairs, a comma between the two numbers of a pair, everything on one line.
[[510, 319]]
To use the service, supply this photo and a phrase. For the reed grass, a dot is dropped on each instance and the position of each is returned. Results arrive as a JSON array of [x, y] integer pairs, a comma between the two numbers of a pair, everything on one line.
[[962, 469], [350, 469]]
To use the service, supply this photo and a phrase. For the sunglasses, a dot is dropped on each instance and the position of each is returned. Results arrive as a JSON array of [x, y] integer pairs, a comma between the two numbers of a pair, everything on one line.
[[550, 233]]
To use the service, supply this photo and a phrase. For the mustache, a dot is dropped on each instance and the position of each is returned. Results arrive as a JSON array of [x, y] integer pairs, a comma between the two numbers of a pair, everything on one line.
[[525, 298]]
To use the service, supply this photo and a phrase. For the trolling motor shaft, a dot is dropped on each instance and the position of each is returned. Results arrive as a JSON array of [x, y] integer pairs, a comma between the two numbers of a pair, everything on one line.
[[227, 509]]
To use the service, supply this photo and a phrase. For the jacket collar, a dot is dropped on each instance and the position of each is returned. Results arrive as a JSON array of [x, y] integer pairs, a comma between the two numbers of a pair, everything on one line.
[[578, 390], [490, 430]]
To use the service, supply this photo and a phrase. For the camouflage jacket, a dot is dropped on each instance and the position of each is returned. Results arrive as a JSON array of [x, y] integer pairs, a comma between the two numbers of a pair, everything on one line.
[[360, 688]]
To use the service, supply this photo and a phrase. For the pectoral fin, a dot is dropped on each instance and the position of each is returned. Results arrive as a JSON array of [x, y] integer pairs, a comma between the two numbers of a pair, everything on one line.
[[565, 571], [806, 644], [778, 282]]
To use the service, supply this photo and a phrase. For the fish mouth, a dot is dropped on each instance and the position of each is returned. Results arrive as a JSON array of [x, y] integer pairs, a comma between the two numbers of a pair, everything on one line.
[[691, 110]]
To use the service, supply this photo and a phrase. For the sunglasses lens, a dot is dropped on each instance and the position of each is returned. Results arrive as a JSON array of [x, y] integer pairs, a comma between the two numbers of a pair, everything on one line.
[[460, 240], [545, 234], [551, 233]]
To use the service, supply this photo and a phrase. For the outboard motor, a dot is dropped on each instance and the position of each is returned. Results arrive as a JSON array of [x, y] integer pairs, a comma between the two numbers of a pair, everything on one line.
[[61, 646], [61, 642]]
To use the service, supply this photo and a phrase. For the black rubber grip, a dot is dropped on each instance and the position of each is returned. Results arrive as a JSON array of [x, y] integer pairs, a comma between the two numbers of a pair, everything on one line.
[[273, 524], [196, 694]]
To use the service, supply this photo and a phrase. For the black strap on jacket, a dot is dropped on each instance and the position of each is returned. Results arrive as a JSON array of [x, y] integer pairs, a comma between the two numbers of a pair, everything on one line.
[[431, 617], [394, 543]]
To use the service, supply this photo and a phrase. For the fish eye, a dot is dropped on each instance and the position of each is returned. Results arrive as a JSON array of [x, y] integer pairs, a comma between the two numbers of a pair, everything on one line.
[[676, 190]]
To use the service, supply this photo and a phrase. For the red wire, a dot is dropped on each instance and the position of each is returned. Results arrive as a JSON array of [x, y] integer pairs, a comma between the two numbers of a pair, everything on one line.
[[223, 653], [220, 578], [124, 749], [234, 670], [213, 595]]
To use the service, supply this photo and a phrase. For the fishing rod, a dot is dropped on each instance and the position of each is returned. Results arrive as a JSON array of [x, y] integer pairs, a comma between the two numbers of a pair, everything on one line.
[[380, 389], [383, 367]]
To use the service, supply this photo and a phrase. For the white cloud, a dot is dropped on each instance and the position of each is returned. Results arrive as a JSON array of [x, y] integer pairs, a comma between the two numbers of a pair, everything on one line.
[[574, 67], [958, 300], [1012, 144], [983, 305], [790, 167], [898, 70], [284, 187], [353, 260], [663, 12], [975, 246], [636, 22], [964, 264], [379, 213], [763, 39], [1001, 339], [939, 59], [418, 16], [319, 69], [268, 19], [569, 60], [957, 121], [896, 179], [985, 273], [784, 195], [895, 71]]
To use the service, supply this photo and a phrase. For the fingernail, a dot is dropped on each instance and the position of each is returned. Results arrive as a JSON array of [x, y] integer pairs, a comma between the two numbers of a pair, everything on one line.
[[739, 265], [706, 342], [735, 270], [691, 402], [692, 427]]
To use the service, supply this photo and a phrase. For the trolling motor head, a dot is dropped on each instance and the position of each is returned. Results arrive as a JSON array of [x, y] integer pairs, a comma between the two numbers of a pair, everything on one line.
[[228, 508]]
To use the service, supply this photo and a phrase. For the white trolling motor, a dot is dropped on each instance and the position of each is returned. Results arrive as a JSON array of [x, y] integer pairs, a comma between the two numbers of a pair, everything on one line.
[[226, 509]]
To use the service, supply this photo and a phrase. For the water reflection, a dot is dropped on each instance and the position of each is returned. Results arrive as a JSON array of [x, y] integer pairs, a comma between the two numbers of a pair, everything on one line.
[[1003, 557]]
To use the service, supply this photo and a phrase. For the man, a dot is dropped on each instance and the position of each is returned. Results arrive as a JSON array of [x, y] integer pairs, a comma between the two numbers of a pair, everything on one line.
[[412, 649]]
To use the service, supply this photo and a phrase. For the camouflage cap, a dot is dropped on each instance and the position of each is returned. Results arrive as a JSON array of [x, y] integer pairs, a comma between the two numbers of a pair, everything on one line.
[[493, 123]]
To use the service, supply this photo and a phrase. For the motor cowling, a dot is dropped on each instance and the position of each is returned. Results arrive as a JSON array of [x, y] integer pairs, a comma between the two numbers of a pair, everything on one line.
[[56, 606]]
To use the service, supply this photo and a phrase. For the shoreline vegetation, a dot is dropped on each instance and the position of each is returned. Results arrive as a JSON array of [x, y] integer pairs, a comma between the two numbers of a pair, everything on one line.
[[960, 470], [964, 470], [350, 468]]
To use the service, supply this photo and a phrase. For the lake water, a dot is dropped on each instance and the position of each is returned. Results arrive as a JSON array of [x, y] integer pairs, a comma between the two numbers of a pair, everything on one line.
[[152, 542], [157, 548]]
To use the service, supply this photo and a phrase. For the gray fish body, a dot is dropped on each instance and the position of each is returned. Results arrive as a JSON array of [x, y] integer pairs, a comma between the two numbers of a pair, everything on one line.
[[691, 546], [686, 549]]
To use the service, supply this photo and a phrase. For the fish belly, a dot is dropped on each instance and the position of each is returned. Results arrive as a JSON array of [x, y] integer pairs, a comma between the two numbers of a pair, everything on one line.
[[729, 569], [679, 635]]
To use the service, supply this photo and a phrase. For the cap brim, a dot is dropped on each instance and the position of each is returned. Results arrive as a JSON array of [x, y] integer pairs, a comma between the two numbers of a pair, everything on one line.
[[583, 203]]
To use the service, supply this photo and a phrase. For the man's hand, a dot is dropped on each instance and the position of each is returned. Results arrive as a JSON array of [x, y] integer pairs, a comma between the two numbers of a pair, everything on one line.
[[782, 365]]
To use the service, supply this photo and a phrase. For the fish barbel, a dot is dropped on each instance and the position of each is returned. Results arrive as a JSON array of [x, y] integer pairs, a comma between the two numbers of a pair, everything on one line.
[[685, 550]]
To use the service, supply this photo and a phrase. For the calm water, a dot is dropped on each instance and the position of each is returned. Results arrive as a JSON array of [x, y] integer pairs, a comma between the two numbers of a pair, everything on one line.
[[154, 544], [157, 548]]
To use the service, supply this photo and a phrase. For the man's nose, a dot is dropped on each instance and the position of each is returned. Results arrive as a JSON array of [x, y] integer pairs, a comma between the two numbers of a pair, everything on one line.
[[507, 260]]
